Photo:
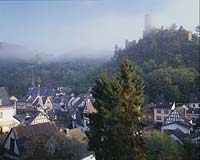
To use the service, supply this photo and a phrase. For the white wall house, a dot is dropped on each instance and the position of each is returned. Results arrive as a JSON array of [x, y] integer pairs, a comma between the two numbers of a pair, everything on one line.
[[7, 111], [178, 119], [162, 111], [6, 118]]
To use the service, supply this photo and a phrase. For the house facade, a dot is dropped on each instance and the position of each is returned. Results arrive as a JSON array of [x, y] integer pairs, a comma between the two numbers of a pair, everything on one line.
[[32, 118], [148, 113], [178, 119], [16, 138], [161, 112], [7, 111]]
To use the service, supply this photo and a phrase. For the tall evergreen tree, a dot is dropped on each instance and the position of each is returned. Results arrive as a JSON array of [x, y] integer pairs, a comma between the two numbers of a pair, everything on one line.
[[116, 128]]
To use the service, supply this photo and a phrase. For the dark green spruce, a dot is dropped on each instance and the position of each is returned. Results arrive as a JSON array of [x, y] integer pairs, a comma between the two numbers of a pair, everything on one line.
[[116, 129]]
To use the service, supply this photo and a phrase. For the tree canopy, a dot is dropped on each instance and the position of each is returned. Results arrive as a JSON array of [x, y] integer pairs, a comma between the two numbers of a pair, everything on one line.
[[169, 63], [116, 129]]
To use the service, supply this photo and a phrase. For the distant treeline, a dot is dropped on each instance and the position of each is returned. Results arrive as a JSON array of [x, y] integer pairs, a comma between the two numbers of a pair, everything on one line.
[[78, 76]]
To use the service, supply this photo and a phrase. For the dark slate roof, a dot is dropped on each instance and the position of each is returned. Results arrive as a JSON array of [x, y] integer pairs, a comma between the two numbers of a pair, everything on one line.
[[27, 118], [22, 133], [3, 93], [148, 106], [195, 97], [194, 135], [33, 92], [164, 105], [179, 134], [180, 123]]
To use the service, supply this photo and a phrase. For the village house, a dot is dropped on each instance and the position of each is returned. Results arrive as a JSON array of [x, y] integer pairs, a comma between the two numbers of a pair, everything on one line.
[[178, 119], [80, 116], [16, 138], [36, 95], [7, 111], [148, 113], [161, 112], [33, 118]]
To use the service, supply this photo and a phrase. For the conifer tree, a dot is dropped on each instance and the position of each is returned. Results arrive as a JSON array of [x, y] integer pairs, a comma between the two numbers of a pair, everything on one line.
[[116, 130]]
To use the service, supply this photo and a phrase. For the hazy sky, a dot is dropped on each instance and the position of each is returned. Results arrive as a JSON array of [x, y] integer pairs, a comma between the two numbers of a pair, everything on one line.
[[61, 26]]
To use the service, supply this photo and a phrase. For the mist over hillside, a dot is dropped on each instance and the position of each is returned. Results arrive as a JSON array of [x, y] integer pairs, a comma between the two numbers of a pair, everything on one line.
[[14, 52], [85, 54]]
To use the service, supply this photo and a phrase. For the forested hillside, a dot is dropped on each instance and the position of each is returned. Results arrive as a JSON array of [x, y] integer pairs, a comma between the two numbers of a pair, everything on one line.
[[168, 60], [78, 75]]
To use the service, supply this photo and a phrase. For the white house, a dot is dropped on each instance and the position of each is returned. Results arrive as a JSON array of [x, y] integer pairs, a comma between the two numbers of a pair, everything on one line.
[[162, 111], [178, 119], [7, 111]]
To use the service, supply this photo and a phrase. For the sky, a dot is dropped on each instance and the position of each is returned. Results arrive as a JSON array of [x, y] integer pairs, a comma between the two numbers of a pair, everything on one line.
[[61, 26]]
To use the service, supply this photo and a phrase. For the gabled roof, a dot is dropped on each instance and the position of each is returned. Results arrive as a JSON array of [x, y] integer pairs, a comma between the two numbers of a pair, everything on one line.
[[182, 111], [3, 93], [45, 129], [28, 118], [178, 115], [178, 123], [163, 105], [179, 134], [43, 91], [90, 108], [194, 135], [23, 133]]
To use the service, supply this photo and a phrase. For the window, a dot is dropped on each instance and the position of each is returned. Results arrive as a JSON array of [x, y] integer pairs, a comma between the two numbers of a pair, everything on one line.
[[165, 118], [158, 118], [166, 111], [1, 114], [158, 111], [12, 144], [193, 105]]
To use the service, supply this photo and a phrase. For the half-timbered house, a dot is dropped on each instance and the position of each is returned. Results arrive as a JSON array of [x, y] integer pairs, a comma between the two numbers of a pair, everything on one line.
[[178, 119]]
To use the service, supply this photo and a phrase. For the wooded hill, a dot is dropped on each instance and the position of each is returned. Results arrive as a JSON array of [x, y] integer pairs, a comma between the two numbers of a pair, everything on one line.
[[168, 60]]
